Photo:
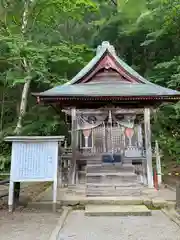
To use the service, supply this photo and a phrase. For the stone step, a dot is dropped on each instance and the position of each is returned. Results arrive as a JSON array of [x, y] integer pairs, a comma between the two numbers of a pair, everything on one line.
[[115, 185], [79, 186], [91, 157], [131, 191], [117, 210], [127, 160], [119, 200], [105, 168], [94, 162], [77, 189], [66, 156], [83, 168], [111, 177], [82, 181], [76, 193], [111, 194], [119, 174], [83, 172], [91, 161]]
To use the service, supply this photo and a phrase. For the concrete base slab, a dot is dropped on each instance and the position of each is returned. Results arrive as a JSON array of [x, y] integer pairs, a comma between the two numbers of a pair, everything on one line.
[[159, 203], [116, 210], [170, 205], [48, 206], [73, 201], [114, 200], [56, 232], [172, 214], [155, 198]]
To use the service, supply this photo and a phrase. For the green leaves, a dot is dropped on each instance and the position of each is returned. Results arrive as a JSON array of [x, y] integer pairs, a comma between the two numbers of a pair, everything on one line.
[[131, 8], [166, 131], [146, 34], [42, 41], [170, 71], [56, 45]]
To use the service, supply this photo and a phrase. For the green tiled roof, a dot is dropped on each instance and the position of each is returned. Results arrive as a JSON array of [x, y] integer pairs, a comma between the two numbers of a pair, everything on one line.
[[108, 89]]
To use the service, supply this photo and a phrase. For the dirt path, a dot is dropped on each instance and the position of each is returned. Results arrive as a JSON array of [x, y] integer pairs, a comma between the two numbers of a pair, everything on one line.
[[29, 192], [171, 180], [27, 224]]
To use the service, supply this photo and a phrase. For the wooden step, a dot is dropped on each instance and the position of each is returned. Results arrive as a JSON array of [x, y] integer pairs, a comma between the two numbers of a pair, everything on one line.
[[117, 210]]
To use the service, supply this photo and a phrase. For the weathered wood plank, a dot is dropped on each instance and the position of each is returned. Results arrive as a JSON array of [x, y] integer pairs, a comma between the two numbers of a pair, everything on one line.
[[99, 111], [158, 163], [147, 128], [72, 173]]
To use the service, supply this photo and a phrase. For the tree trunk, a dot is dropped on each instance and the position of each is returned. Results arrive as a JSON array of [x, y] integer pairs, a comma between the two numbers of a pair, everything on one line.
[[2, 111], [25, 91], [23, 106]]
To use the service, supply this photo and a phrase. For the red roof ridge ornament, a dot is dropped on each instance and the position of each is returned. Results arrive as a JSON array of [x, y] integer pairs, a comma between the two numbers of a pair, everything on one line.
[[105, 46]]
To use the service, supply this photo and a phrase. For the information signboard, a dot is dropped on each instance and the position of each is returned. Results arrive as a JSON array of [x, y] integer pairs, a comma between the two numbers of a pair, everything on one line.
[[34, 159]]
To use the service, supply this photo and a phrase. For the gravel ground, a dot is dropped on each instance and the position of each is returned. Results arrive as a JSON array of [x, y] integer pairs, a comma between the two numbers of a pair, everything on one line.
[[29, 192], [157, 227], [27, 225]]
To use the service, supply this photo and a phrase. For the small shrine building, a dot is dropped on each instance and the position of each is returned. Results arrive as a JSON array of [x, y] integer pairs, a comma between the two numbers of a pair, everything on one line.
[[110, 108]]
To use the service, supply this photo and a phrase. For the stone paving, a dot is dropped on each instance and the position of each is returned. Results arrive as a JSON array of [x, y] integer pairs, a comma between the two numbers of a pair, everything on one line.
[[63, 195], [164, 193], [157, 227]]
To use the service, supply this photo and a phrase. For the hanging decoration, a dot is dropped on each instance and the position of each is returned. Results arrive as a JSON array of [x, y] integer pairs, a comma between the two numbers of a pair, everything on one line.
[[129, 134], [124, 120], [89, 121], [95, 117], [86, 133]]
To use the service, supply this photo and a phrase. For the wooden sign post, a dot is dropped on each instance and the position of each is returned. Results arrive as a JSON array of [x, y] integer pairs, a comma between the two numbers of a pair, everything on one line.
[[178, 197]]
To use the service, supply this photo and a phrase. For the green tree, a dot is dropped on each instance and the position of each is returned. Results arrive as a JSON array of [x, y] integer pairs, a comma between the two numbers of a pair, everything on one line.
[[36, 53]]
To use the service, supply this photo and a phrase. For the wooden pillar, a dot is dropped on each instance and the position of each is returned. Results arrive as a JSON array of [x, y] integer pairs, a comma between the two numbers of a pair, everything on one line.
[[158, 163], [140, 139], [73, 145], [59, 171], [17, 187], [140, 147], [110, 143], [147, 128], [104, 137]]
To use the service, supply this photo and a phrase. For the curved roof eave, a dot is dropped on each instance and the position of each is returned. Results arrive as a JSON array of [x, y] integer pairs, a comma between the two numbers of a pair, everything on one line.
[[87, 68], [100, 51]]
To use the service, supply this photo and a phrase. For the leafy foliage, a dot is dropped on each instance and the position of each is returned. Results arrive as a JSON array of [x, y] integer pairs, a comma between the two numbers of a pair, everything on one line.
[[56, 39]]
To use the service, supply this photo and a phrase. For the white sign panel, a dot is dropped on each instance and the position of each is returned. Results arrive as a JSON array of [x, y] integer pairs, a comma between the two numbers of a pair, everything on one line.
[[34, 161]]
